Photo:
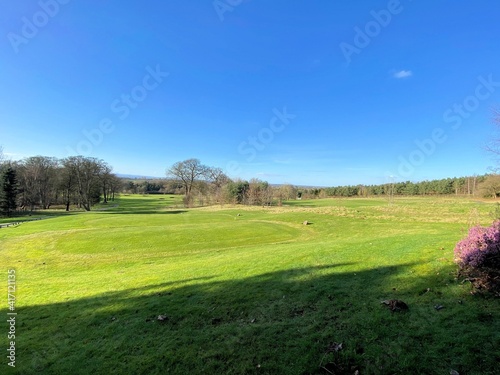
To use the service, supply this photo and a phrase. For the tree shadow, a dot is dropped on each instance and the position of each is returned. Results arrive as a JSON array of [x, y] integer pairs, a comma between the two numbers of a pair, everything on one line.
[[140, 206], [145, 212], [30, 217], [274, 323]]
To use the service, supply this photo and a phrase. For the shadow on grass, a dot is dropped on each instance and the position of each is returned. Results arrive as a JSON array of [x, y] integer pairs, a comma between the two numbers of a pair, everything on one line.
[[119, 206], [140, 206], [34, 216], [159, 211], [274, 323]]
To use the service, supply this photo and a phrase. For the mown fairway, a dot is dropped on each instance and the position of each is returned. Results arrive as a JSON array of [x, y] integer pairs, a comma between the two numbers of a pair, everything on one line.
[[254, 293]]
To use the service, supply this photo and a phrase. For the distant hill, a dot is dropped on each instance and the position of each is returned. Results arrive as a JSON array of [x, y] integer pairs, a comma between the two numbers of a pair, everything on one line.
[[138, 177]]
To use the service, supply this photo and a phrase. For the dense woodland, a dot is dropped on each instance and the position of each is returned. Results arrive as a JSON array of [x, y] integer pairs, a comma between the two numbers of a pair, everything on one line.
[[78, 182]]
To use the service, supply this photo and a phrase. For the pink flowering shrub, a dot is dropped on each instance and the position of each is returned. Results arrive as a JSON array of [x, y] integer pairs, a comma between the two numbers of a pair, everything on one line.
[[478, 256]]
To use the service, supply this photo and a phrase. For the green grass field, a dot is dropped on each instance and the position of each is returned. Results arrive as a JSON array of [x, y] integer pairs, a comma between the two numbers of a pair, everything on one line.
[[248, 290]]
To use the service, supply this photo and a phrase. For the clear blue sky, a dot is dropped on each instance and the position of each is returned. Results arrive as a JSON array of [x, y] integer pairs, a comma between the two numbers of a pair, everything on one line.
[[306, 92]]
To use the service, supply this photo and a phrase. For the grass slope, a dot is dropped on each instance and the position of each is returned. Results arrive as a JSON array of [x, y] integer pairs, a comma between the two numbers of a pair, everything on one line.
[[249, 290]]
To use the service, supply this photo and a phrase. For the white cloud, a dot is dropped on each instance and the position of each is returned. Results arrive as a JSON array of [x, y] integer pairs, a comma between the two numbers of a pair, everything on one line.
[[403, 74]]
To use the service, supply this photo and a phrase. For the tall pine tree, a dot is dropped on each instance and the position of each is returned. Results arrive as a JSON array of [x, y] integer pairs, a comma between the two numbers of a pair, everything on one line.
[[8, 191]]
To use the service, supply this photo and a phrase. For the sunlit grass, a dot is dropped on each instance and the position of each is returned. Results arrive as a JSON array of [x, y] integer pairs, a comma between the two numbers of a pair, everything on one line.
[[250, 290]]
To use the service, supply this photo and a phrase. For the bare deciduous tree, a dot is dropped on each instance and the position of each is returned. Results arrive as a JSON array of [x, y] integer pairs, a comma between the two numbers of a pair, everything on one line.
[[491, 186], [288, 191], [114, 186], [105, 177], [218, 179], [86, 172], [67, 181], [38, 180], [188, 172], [259, 193], [494, 145]]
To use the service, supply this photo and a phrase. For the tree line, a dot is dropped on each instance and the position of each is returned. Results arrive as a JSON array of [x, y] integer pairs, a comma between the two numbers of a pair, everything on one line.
[[201, 182], [473, 186], [43, 182], [204, 185]]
